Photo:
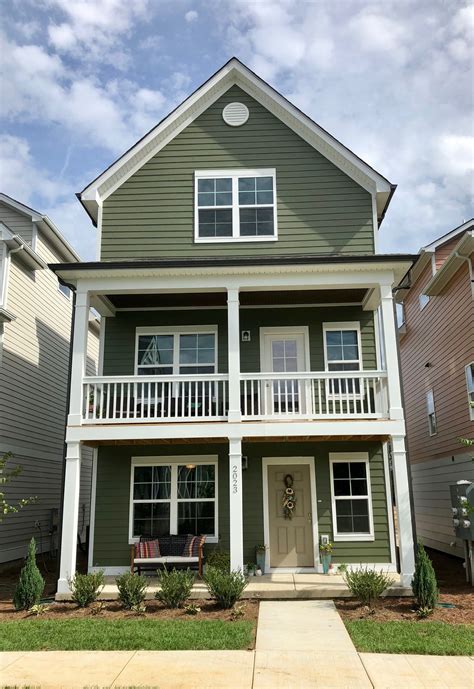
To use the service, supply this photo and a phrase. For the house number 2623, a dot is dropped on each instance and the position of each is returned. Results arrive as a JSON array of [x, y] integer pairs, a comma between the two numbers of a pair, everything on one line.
[[235, 479]]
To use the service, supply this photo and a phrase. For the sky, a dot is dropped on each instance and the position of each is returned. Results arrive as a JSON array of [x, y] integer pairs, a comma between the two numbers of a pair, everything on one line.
[[82, 80]]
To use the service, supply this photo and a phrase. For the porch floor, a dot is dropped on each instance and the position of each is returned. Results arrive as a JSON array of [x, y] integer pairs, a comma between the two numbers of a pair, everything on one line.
[[268, 586]]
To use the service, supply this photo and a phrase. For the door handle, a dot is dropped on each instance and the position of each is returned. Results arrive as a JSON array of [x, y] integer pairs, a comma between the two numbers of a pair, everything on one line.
[[310, 517]]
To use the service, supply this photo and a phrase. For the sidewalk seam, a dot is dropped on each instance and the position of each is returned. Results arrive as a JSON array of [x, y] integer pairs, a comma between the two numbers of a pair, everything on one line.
[[14, 661], [123, 668], [365, 669]]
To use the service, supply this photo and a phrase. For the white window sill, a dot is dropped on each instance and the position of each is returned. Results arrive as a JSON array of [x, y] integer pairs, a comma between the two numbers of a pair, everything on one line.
[[353, 537], [227, 240]]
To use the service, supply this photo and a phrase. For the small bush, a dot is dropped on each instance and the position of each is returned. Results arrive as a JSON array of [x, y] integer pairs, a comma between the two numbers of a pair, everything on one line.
[[366, 584], [424, 585], [175, 587], [225, 587], [38, 609], [30, 583], [219, 559], [86, 587], [131, 589], [192, 609]]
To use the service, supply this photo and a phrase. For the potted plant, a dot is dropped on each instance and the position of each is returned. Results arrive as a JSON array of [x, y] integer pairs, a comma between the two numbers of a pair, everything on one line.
[[260, 556], [250, 568], [325, 551]]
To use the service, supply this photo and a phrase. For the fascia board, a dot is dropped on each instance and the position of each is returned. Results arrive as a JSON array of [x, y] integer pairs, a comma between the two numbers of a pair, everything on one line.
[[462, 251]]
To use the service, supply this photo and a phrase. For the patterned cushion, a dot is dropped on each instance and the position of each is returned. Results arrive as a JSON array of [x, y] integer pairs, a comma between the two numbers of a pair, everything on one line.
[[191, 548], [147, 549]]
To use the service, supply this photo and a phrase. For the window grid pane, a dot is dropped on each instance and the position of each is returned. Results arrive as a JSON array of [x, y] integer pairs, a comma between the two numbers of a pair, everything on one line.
[[351, 495]]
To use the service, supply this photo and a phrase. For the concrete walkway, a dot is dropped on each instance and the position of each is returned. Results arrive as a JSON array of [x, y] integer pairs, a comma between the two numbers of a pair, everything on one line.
[[300, 645]]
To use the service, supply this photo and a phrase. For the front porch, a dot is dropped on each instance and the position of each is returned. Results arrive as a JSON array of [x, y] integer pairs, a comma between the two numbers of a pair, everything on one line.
[[269, 587]]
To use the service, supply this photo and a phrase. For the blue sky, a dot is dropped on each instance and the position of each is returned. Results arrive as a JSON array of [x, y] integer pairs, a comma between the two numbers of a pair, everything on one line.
[[83, 79]]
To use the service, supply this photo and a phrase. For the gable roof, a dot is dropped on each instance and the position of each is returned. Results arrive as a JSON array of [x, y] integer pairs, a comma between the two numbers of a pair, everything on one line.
[[46, 225], [236, 73]]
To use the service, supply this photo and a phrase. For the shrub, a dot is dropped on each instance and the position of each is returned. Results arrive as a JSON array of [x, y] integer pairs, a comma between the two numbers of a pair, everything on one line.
[[218, 559], [30, 584], [366, 584], [192, 609], [225, 587], [175, 587], [86, 587], [424, 585], [131, 589]]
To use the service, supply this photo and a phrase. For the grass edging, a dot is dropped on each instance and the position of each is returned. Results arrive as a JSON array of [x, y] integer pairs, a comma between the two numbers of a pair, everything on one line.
[[124, 635], [422, 638]]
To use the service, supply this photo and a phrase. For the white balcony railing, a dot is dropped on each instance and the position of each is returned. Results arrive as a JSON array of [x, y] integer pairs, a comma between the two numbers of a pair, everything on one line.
[[263, 396], [318, 395], [153, 399]]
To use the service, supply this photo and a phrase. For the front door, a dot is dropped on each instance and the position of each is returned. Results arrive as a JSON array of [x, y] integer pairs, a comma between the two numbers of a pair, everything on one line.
[[284, 352], [291, 535]]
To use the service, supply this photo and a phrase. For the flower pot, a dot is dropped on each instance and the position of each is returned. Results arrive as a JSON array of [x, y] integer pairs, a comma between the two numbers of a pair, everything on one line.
[[325, 561], [260, 557]]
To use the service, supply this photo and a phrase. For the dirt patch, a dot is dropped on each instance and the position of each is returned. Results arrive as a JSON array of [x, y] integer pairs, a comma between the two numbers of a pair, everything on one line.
[[454, 590], [154, 610]]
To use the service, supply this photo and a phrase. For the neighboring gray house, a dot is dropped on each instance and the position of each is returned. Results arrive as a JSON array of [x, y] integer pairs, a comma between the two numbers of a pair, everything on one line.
[[35, 325]]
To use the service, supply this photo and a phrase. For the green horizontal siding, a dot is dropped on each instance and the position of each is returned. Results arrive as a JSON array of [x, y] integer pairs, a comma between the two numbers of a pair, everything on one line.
[[320, 209], [113, 495], [119, 352]]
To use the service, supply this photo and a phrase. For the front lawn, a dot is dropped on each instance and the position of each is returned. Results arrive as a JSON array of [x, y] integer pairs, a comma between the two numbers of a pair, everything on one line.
[[424, 638], [125, 635]]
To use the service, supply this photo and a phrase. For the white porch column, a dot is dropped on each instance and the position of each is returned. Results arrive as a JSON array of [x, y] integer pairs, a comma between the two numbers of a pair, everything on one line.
[[78, 359], [72, 483], [391, 353], [404, 514], [233, 336], [235, 505]]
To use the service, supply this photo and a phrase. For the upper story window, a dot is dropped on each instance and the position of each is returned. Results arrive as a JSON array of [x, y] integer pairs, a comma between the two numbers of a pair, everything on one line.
[[342, 352], [64, 290], [430, 406], [235, 205], [186, 350], [470, 389], [423, 300]]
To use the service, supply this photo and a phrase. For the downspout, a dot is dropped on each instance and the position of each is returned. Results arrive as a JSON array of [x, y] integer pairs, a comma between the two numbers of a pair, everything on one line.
[[68, 402], [469, 267]]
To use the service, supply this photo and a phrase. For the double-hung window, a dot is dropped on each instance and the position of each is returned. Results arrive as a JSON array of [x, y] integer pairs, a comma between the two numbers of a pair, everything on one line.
[[187, 350], [342, 352], [430, 408], [235, 205], [173, 496], [351, 496], [470, 389]]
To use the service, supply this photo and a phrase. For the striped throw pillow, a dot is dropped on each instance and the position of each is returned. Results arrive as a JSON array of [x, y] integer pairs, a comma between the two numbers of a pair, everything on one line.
[[191, 548], [146, 549]]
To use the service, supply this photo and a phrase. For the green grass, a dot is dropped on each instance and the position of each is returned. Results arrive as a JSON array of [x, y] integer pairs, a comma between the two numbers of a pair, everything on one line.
[[129, 635], [424, 638]]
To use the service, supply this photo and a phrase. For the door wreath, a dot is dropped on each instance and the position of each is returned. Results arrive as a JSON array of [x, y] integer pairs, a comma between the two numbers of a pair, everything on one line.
[[289, 497]]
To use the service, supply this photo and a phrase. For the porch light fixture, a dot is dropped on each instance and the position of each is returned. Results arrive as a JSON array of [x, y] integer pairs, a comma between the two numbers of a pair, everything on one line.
[[190, 466]]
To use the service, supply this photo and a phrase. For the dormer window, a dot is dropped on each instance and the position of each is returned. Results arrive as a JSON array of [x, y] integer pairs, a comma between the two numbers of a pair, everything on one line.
[[235, 205]]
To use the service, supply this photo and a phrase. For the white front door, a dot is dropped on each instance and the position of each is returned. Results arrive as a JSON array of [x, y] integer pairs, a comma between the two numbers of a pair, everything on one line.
[[284, 351]]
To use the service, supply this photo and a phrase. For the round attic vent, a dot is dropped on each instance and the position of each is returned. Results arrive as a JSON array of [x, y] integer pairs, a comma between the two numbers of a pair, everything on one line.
[[235, 114]]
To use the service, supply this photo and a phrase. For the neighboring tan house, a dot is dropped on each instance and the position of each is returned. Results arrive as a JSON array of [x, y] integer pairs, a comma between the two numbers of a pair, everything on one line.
[[248, 337], [437, 361], [35, 329]]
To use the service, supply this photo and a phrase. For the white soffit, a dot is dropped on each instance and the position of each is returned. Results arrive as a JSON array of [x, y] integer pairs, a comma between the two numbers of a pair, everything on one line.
[[234, 73]]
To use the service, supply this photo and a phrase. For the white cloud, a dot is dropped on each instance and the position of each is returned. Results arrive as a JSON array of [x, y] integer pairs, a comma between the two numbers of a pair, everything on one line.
[[456, 154], [191, 16]]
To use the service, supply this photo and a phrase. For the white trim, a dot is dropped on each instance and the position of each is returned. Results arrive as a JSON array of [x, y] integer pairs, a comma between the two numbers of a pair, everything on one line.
[[235, 175], [234, 72], [404, 509], [469, 369], [173, 461], [309, 461], [348, 457], [388, 493], [450, 235], [242, 306], [98, 239], [236, 518], [100, 363], [176, 331], [90, 556]]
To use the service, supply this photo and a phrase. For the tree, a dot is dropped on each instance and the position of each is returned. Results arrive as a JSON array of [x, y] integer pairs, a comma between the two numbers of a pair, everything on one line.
[[6, 475], [424, 584], [30, 584]]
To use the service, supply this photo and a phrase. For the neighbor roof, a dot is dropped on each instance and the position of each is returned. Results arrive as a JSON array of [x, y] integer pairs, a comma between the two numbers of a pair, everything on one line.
[[236, 73]]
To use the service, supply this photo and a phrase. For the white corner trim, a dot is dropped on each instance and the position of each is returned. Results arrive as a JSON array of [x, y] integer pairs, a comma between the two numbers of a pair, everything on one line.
[[389, 500]]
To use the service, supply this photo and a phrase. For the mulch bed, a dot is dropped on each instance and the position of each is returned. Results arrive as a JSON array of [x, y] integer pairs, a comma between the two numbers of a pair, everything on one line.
[[453, 590]]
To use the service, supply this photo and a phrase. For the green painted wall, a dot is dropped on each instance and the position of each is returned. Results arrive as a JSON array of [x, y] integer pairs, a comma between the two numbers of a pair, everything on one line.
[[119, 352], [113, 494], [320, 209]]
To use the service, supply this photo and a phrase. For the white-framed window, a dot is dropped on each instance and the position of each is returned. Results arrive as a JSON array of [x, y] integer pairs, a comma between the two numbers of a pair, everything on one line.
[[65, 291], [176, 351], [342, 352], [173, 495], [430, 408], [423, 300], [470, 389], [235, 205], [351, 496]]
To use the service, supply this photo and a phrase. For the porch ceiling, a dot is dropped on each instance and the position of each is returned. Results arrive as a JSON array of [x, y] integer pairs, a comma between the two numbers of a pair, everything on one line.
[[213, 299]]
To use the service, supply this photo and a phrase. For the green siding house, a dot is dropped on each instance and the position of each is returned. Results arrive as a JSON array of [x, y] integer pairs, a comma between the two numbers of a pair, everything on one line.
[[248, 347]]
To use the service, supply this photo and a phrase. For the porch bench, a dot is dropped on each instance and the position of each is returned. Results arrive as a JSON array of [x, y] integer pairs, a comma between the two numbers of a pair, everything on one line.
[[179, 551]]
